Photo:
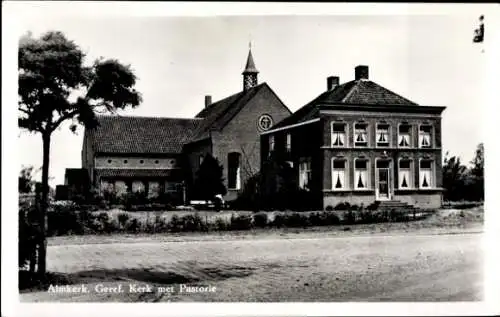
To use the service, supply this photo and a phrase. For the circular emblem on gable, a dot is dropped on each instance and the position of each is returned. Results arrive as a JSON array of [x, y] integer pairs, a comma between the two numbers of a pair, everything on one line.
[[265, 122]]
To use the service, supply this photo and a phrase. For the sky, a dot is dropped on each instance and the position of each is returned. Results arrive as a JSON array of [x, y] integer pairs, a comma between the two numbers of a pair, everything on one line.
[[427, 58]]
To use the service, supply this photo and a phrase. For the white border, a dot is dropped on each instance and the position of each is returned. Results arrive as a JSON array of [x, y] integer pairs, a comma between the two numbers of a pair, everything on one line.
[[14, 11]]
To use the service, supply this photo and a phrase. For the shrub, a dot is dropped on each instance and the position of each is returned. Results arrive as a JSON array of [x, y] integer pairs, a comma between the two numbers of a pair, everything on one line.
[[279, 221], [241, 222], [373, 206], [221, 224], [160, 224], [133, 226], [330, 218], [349, 217], [343, 206], [329, 208], [27, 237], [260, 220], [193, 223], [398, 215], [175, 224], [122, 219], [296, 220]]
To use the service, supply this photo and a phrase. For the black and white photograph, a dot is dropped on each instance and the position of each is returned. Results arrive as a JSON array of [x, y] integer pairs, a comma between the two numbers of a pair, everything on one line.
[[249, 154]]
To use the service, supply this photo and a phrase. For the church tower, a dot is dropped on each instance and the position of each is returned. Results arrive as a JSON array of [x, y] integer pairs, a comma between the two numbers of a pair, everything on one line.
[[250, 73]]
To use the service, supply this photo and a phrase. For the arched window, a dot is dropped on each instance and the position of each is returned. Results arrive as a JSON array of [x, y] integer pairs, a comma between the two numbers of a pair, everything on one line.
[[233, 170]]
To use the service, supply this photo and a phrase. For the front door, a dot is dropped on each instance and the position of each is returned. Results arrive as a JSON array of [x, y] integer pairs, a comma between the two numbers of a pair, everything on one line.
[[383, 183]]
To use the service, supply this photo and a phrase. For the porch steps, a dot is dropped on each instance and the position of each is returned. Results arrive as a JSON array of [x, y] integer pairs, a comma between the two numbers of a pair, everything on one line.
[[399, 205]]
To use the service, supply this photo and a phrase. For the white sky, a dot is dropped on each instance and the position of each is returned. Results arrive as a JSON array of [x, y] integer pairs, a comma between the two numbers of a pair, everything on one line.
[[429, 59]]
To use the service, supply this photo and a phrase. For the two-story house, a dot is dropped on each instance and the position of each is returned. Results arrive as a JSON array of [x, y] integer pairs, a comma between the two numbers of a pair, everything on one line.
[[359, 142]]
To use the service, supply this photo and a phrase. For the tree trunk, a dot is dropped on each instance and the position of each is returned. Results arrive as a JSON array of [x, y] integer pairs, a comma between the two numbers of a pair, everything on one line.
[[42, 239]]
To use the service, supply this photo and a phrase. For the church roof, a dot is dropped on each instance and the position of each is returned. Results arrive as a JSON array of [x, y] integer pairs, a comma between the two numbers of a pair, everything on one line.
[[356, 92], [219, 113], [250, 67], [147, 135]]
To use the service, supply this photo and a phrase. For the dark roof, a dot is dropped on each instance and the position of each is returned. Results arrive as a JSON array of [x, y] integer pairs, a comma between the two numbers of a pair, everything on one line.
[[357, 92], [218, 114], [136, 172], [149, 135]]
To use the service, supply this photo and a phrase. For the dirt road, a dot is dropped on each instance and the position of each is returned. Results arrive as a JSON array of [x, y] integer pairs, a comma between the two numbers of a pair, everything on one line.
[[402, 267]]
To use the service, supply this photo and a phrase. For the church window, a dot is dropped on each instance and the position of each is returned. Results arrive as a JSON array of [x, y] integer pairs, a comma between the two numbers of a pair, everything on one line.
[[233, 170]]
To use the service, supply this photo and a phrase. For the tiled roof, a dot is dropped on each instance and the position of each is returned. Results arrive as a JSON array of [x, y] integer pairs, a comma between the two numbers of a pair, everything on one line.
[[356, 92], [127, 134], [218, 114], [115, 172]]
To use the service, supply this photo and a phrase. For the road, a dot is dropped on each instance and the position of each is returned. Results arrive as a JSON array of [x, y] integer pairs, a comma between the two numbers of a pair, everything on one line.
[[402, 267]]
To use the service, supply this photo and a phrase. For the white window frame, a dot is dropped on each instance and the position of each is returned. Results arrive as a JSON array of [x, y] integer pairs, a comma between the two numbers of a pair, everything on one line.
[[432, 184], [346, 174], [389, 135], [346, 129], [305, 174], [368, 173], [367, 129], [411, 181], [431, 138], [288, 145], [410, 141]]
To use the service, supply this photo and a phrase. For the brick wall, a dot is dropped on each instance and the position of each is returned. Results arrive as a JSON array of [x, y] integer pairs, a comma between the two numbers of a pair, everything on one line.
[[242, 135]]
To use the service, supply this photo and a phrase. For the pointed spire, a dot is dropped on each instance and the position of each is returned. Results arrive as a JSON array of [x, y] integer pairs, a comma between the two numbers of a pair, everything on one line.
[[250, 67]]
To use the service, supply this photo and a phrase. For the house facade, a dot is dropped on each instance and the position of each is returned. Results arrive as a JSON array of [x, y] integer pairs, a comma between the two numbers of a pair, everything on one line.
[[359, 142], [161, 155]]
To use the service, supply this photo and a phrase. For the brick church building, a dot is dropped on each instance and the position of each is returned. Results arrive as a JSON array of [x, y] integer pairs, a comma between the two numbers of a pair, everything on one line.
[[161, 155], [359, 142]]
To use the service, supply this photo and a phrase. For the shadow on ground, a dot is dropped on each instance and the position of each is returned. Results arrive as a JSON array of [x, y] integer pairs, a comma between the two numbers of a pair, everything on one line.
[[30, 283]]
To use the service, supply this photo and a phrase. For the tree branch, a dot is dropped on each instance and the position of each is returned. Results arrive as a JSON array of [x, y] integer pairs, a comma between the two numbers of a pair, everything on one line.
[[68, 115]]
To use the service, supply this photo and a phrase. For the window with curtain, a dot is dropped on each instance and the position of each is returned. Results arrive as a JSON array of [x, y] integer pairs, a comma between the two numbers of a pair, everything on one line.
[[405, 174], [305, 174], [383, 137], [360, 134], [339, 174], [233, 170], [361, 174], [404, 135], [424, 136], [338, 134], [271, 143], [426, 174], [288, 142]]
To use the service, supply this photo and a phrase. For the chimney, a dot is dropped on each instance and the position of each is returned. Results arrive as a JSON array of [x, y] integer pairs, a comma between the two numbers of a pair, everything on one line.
[[332, 82], [361, 72], [208, 100]]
